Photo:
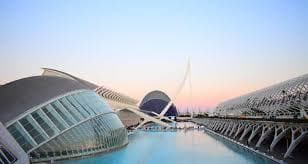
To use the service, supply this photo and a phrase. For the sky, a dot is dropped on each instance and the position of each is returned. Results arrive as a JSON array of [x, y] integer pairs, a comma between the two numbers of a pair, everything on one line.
[[234, 46]]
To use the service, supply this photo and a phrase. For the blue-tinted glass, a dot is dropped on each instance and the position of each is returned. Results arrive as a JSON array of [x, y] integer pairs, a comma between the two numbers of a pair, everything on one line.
[[61, 113], [50, 132], [20, 138], [31, 130], [53, 119], [71, 109]]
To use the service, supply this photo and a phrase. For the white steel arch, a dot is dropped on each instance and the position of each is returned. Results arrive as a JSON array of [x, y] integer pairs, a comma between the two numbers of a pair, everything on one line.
[[146, 117]]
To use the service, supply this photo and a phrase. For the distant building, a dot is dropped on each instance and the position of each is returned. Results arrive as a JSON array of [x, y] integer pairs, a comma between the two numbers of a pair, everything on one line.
[[156, 101], [284, 100]]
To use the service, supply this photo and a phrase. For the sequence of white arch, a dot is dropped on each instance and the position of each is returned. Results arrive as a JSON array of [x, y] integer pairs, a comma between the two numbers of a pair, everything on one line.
[[246, 131], [115, 96]]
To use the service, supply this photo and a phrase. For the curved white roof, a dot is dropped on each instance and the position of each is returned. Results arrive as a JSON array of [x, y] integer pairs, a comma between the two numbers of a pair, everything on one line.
[[287, 98], [18, 96]]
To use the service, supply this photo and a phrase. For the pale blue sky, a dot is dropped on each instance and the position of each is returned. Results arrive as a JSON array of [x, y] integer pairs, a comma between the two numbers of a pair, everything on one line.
[[235, 46]]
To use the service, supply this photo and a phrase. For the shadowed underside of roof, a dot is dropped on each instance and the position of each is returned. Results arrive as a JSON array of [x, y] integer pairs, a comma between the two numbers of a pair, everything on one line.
[[18, 96]]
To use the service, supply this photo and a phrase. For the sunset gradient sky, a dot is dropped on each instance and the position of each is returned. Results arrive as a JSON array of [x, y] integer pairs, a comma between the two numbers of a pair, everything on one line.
[[235, 46]]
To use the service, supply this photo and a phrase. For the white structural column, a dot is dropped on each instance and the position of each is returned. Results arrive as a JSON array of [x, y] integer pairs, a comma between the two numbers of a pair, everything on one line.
[[280, 132], [266, 131], [295, 140], [254, 132], [248, 128], [239, 130], [233, 129], [228, 129]]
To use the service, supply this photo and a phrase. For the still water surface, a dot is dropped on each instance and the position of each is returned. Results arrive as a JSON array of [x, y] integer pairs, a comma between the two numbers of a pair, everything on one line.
[[180, 147]]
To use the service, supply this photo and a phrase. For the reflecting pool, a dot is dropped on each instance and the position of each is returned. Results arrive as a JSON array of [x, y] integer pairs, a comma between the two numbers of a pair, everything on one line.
[[181, 147]]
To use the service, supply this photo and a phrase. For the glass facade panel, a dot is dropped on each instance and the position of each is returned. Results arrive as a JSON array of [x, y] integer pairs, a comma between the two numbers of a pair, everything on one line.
[[62, 112], [3, 160], [84, 105], [21, 137], [45, 126], [32, 129], [6, 156], [95, 135], [77, 116], [54, 119], [78, 106], [101, 131]]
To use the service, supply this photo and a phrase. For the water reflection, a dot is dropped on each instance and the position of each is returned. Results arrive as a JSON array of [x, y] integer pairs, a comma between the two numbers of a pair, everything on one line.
[[183, 146]]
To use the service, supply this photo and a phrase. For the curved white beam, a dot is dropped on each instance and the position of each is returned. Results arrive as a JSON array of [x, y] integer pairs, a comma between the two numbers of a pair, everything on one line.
[[146, 117]]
